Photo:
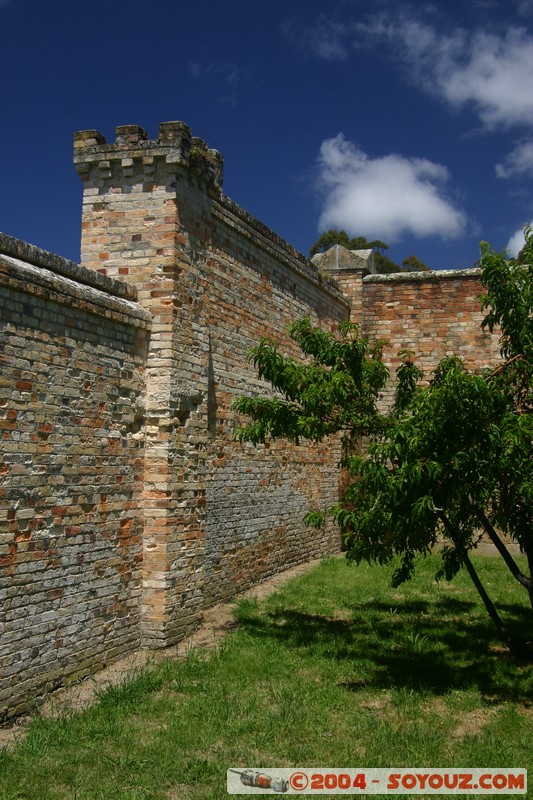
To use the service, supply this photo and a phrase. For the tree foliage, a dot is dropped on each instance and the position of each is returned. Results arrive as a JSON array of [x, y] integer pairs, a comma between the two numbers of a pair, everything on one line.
[[413, 264], [384, 264], [451, 459], [333, 237]]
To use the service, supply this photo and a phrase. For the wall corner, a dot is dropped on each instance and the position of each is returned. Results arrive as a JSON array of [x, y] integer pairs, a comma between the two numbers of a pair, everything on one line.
[[347, 268]]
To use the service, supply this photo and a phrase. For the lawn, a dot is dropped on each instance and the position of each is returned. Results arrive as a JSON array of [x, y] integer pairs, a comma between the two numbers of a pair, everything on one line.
[[335, 670]]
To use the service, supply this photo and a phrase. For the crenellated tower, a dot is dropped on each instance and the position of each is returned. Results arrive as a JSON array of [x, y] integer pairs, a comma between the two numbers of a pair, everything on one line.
[[146, 220], [214, 280], [130, 225]]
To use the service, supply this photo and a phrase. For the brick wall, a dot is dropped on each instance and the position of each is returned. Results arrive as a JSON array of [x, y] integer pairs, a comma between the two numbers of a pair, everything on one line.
[[218, 516], [126, 505], [256, 498], [71, 468], [433, 314]]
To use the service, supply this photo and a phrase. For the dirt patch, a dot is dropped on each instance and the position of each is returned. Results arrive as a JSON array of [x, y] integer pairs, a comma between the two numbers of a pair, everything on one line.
[[216, 623], [472, 722], [377, 704]]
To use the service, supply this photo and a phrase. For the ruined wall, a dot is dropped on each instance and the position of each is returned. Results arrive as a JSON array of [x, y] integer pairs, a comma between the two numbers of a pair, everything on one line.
[[218, 517], [72, 348], [433, 314]]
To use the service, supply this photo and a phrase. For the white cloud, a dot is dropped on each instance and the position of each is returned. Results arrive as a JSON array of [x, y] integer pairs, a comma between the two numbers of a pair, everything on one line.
[[518, 162], [517, 241], [384, 197], [496, 77], [492, 73]]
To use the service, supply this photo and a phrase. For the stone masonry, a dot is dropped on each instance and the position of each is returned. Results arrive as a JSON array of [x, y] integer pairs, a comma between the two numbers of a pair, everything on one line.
[[433, 314], [126, 505]]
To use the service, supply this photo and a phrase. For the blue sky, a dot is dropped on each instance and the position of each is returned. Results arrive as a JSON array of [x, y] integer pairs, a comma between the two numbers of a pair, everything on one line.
[[411, 123]]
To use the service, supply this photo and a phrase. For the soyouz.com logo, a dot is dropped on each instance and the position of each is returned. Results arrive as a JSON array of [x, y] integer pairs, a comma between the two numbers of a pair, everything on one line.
[[376, 781]]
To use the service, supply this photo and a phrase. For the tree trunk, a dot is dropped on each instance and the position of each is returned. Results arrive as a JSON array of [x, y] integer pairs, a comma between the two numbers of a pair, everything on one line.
[[522, 579], [517, 648]]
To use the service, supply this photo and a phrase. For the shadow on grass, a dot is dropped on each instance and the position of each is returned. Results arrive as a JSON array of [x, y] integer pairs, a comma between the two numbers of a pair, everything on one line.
[[418, 645]]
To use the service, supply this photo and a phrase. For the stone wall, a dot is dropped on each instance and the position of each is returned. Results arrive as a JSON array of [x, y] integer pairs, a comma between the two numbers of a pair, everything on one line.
[[256, 499], [72, 351]]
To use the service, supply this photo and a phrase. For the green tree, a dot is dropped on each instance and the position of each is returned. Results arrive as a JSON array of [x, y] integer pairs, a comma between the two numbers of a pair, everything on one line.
[[413, 264], [523, 256], [333, 237], [449, 460], [384, 264]]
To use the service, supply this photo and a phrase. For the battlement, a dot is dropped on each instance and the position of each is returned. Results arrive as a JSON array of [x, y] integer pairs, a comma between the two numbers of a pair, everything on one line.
[[133, 153]]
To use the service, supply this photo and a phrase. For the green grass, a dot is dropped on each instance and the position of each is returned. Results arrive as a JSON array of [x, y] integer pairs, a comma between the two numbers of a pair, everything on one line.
[[337, 669]]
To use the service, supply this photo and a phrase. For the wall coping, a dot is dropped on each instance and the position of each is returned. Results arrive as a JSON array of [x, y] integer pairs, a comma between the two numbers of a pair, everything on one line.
[[34, 279], [286, 253], [31, 254], [420, 277]]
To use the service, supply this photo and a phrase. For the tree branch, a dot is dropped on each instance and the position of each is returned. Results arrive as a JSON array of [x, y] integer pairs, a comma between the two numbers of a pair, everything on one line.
[[487, 602], [497, 371], [515, 571]]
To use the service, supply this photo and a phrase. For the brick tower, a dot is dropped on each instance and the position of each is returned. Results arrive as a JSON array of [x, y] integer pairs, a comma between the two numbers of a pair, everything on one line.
[[137, 193]]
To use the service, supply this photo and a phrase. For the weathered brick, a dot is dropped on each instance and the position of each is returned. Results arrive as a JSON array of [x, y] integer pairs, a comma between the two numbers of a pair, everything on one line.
[[126, 506]]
